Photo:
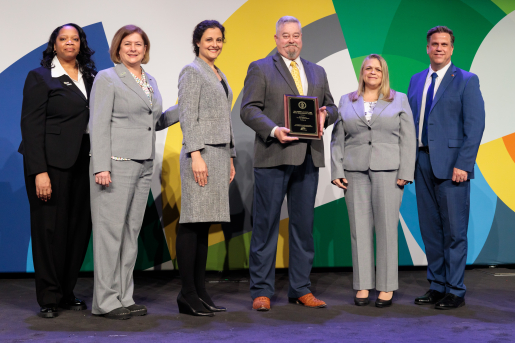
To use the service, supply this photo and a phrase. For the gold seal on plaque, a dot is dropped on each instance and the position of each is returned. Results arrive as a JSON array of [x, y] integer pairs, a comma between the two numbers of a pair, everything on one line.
[[302, 105]]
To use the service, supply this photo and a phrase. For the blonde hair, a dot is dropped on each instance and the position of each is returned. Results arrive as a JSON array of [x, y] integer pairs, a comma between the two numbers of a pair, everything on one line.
[[123, 32], [388, 93]]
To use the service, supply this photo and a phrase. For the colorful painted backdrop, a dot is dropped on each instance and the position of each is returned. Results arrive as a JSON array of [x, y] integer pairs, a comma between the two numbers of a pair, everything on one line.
[[337, 35]]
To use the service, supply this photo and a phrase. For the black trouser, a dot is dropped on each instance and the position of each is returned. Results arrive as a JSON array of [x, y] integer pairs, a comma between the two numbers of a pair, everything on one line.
[[60, 229]]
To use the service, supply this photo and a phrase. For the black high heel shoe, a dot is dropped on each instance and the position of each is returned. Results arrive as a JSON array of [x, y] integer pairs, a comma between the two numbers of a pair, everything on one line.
[[384, 303], [185, 308], [213, 308]]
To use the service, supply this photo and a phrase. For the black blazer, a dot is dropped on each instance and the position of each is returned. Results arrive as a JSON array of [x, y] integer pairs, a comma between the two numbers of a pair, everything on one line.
[[54, 116]]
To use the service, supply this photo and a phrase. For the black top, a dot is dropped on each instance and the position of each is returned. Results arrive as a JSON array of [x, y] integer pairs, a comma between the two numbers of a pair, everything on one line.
[[54, 116], [225, 87]]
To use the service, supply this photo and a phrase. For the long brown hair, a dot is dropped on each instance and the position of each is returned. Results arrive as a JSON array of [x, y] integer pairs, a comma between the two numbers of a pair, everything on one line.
[[388, 93]]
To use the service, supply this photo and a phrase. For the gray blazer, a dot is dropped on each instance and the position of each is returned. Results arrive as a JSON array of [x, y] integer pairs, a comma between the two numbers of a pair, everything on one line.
[[387, 143], [122, 122], [262, 108], [204, 108]]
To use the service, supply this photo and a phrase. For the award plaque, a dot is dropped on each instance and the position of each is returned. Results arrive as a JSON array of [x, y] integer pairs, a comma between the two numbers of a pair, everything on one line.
[[301, 116]]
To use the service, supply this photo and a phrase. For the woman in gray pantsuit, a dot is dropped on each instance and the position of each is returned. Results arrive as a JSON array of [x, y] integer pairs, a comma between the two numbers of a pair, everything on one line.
[[126, 110], [207, 168], [372, 158]]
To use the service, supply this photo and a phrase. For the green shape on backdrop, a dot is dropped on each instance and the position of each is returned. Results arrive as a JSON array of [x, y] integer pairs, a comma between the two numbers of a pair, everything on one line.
[[364, 30], [230, 255], [331, 233], [469, 27], [401, 29], [507, 6]]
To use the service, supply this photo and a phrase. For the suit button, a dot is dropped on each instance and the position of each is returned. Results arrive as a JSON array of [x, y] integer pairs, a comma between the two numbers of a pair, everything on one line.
[[369, 143], [87, 107], [149, 129], [149, 112], [369, 128]]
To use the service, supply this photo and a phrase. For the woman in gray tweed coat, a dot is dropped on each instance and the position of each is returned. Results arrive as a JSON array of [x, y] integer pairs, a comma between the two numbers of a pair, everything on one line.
[[207, 167]]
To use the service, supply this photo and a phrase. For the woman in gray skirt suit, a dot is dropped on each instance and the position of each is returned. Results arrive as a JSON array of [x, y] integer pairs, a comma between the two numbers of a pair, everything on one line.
[[207, 167], [372, 158]]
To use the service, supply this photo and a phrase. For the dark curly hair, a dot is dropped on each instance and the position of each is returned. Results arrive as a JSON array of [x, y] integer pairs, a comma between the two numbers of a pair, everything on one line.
[[86, 64], [201, 28]]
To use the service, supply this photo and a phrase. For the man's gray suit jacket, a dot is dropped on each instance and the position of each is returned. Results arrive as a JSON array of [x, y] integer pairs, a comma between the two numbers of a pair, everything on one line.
[[386, 143], [262, 108], [122, 122]]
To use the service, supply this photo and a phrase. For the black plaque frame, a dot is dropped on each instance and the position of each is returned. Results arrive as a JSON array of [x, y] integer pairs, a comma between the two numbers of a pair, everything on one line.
[[292, 120]]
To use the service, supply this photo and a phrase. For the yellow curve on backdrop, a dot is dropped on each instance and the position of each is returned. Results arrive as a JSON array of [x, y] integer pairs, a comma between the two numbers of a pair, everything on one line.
[[250, 36], [498, 168]]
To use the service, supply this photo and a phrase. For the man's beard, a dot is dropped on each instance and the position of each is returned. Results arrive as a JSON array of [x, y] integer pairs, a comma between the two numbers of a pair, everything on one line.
[[292, 53]]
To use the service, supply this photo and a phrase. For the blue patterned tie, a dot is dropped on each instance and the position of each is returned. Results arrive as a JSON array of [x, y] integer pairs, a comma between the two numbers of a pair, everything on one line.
[[429, 102]]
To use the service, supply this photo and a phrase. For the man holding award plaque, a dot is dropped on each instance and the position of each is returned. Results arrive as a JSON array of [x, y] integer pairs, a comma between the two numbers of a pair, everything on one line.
[[281, 100]]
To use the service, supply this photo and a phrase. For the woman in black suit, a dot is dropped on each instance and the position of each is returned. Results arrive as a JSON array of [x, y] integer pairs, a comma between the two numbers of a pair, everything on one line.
[[55, 149]]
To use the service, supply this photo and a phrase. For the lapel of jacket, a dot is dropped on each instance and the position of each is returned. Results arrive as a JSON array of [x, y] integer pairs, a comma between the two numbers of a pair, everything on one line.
[[447, 79], [211, 74], [69, 84], [359, 108], [419, 86], [310, 75], [125, 75], [380, 106], [285, 72]]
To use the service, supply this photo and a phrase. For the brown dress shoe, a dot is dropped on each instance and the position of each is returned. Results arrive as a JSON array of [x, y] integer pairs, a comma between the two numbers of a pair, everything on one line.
[[309, 300], [261, 304]]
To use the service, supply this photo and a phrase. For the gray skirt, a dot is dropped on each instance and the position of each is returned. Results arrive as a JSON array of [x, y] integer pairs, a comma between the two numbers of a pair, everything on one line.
[[211, 202]]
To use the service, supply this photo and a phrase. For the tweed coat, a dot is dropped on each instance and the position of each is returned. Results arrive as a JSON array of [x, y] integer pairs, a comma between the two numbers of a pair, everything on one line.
[[205, 117]]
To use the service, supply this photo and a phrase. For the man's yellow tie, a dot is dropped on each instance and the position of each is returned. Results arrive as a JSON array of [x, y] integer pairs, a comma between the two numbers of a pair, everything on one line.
[[296, 76]]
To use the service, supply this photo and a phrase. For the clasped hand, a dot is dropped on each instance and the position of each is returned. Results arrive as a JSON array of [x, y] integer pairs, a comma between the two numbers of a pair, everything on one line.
[[343, 183]]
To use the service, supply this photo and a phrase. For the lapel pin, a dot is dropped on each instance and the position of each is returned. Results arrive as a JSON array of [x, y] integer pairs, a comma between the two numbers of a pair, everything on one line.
[[67, 83], [452, 75], [123, 73]]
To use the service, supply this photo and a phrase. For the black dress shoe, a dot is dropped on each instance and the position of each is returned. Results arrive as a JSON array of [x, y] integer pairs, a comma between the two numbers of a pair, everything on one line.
[[212, 308], [185, 308], [120, 313], [431, 297], [383, 303], [48, 312], [75, 305], [450, 301], [137, 310], [361, 301]]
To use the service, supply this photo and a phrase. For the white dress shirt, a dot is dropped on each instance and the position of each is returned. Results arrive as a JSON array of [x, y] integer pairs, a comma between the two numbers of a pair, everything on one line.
[[440, 74], [58, 71], [303, 79]]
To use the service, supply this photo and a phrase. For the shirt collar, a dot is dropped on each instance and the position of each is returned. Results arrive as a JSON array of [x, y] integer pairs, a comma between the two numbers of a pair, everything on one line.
[[287, 61], [441, 72], [58, 70]]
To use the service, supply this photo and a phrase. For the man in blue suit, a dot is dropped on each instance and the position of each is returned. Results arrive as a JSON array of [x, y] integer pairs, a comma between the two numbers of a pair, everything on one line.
[[449, 115]]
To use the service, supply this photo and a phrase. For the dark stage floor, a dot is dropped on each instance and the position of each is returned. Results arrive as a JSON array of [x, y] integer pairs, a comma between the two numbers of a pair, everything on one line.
[[489, 315]]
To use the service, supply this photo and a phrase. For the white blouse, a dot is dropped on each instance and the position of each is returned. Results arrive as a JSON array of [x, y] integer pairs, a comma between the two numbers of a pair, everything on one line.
[[369, 109]]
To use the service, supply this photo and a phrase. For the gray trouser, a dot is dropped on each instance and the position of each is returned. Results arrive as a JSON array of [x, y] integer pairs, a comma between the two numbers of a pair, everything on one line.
[[373, 200], [117, 212]]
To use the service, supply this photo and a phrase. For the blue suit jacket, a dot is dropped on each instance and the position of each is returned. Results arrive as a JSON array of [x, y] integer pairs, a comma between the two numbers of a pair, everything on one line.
[[456, 120]]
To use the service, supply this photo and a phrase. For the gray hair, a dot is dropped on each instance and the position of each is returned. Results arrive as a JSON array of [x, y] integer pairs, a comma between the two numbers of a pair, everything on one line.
[[287, 19]]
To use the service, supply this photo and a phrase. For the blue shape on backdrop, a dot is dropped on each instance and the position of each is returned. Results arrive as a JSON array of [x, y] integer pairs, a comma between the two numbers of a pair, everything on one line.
[[15, 248], [483, 202], [410, 215]]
